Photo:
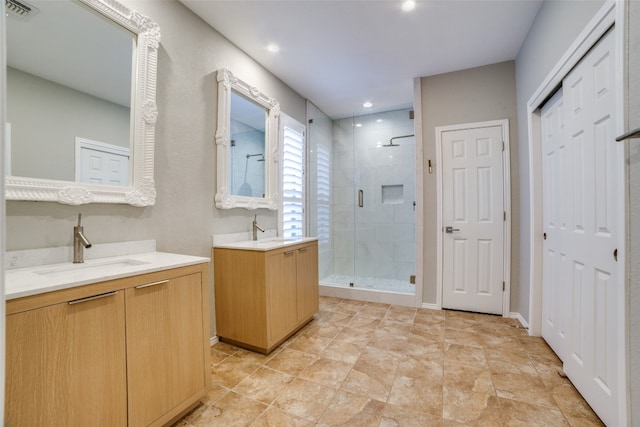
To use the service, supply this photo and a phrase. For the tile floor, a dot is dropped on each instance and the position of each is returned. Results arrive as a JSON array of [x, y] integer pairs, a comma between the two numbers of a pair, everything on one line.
[[369, 364]]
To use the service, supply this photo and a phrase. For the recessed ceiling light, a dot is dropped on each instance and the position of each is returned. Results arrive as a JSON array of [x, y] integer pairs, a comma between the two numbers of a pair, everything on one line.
[[358, 125], [367, 104], [273, 48], [408, 5], [379, 121]]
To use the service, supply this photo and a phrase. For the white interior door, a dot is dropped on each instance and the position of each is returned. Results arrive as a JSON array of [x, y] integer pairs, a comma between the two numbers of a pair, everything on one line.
[[557, 215], [582, 283], [473, 216], [101, 163]]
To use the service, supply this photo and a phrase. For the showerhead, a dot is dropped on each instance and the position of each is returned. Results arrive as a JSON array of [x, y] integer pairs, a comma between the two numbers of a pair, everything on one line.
[[391, 144]]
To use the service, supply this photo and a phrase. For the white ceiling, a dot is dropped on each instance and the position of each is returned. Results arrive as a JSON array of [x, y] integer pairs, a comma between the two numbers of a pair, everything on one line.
[[341, 53]]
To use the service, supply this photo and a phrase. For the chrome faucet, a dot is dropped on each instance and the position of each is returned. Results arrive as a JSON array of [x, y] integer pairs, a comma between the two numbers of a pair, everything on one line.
[[256, 227], [79, 242]]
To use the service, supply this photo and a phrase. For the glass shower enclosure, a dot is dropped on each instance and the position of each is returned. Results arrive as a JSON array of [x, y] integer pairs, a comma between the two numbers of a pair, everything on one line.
[[362, 200]]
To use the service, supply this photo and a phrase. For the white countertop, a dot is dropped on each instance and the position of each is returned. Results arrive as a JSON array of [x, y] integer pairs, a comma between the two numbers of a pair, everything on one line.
[[267, 244], [21, 282]]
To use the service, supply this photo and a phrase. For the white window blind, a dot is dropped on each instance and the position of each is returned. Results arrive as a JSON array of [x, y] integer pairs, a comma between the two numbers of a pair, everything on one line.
[[293, 180]]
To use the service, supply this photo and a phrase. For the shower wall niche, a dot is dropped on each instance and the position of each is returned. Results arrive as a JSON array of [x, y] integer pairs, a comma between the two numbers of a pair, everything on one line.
[[367, 219]]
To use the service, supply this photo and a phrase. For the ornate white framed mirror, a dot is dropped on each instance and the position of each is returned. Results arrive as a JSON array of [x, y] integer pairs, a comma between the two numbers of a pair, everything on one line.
[[81, 70], [247, 145]]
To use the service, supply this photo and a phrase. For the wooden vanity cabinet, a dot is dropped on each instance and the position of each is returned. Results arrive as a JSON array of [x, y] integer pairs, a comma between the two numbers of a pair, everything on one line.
[[66, 364], [131, 351], [263, 297]]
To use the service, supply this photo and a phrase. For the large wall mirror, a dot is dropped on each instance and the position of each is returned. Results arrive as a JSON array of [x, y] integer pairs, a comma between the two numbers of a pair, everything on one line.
[[247, 144], [81, 112]]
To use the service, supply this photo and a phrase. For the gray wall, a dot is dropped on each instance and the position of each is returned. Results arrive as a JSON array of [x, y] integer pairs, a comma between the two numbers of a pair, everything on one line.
[[556, 26], [46, 117], [634, 210], [474, 95], [184, 217]]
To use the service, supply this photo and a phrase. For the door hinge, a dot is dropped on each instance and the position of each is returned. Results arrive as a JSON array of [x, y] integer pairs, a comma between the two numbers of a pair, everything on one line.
[[504, 217], [503, 286], [502, 145]]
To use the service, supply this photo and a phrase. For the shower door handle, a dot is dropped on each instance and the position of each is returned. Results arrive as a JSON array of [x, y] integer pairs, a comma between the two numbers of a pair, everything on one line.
[[449, 229], [360, 198]]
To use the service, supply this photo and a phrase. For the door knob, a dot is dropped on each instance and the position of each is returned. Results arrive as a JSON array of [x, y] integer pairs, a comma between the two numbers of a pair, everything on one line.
[[449, 229]]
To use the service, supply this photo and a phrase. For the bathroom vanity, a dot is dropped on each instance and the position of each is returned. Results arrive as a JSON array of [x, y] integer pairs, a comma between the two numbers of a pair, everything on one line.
[[111, 342], [265, 290]]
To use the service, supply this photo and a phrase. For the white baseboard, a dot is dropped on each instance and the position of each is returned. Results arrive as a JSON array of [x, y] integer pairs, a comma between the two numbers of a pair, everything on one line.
[[430, 306], [518, 316], [214, 340]]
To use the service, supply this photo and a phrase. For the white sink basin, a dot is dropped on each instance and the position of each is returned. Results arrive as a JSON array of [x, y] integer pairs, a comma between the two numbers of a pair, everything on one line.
[[98, 266]]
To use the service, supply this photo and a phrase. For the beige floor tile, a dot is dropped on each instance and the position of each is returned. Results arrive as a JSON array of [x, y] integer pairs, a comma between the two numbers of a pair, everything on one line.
[[347, 409], [417, 393], [360, 321], [574, 407], [369, 364], [327, 372], [401, 314], [420, 366], [464, 355], [389, 342], [396, 416], [425, 347], [529, 415], [342, 351], [323, 329], [394, 327], [214, 394], [468, 379], [472, 408], [264, 385], [217, 356], [355, 336], [225, 348], [466, 337], [274, 417], [305, 399], [231, 371], [338, 318], [231, 410], [257, 358], [429, 332], [291, 361], [309, 344], [550, 373], [516, 361], [374, 384], [374, 312], [523, 388]]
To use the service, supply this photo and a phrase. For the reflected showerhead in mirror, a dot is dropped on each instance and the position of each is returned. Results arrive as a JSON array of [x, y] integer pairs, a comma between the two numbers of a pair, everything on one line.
[[259, 155]]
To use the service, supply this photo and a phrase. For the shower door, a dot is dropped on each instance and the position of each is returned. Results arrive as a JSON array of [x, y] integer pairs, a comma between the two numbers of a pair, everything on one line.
[[384, 213]]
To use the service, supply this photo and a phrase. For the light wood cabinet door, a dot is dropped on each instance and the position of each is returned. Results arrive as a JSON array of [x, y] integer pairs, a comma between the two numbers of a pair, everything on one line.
[[307, 278], [282, 291], [65, 364], [165, 347]]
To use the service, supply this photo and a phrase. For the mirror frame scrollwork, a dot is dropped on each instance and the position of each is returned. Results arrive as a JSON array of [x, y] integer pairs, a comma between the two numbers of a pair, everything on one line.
[[227, 83], [142, 191]]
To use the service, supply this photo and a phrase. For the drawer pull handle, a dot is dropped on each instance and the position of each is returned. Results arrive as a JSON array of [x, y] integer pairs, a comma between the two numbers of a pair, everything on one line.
[[78, 301], [302, 250], [289, 252], [148, 285]]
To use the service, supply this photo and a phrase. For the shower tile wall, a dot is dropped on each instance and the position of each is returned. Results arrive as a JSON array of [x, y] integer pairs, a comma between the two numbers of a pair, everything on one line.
[[378, 239]]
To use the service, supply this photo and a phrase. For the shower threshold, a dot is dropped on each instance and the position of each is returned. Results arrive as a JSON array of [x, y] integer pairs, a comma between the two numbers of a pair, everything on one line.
[[370, 283]]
